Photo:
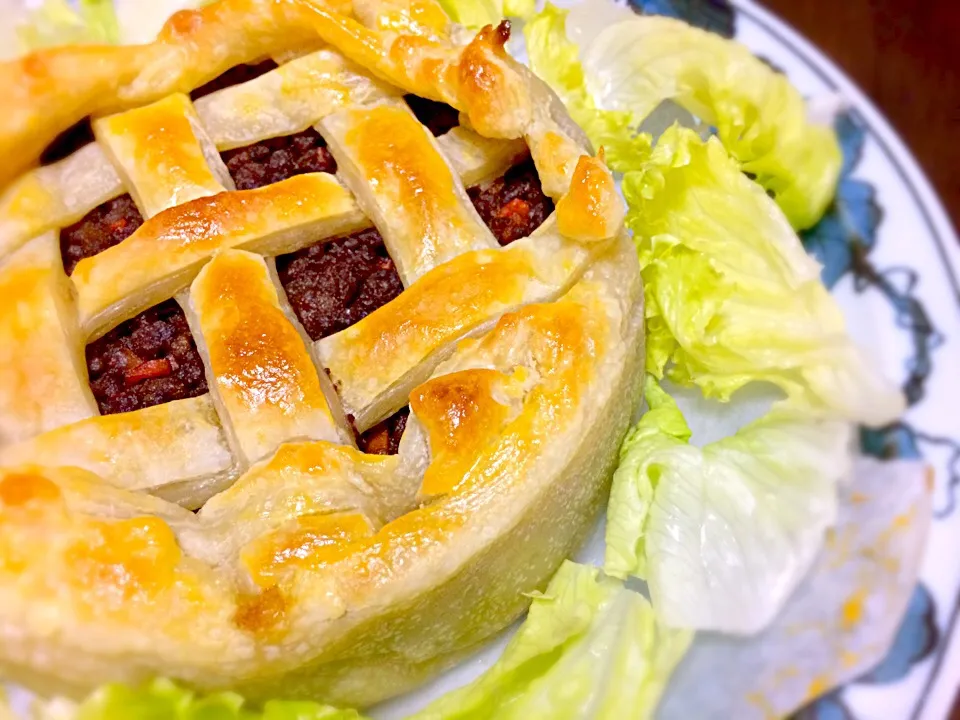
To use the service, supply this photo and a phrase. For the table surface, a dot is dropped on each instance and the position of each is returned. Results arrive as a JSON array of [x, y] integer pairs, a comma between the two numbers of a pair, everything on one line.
[[905, 55]]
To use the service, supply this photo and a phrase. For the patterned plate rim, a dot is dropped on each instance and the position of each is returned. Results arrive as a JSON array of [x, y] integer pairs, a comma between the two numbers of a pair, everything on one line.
[[937, 695]]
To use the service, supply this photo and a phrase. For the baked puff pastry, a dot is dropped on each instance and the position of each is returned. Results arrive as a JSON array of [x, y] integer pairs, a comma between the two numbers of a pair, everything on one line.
[[344, 281]]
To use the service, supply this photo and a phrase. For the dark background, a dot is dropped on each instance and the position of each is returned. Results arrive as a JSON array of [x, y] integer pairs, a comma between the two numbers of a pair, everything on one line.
[[905, 55]]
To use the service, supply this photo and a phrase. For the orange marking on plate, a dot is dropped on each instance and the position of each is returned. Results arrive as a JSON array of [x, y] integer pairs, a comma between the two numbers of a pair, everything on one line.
[[849, 659], [852, 610], [819, 685]]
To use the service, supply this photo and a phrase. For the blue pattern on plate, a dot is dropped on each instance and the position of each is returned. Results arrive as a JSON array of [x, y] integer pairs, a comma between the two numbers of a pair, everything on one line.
[[853, 218], [829, 707], [842, 242], [714, 15], [917, 638]]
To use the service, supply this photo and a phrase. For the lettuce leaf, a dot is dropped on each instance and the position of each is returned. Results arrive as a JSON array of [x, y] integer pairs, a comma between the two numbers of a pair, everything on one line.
[[163, 700], [475, 14], [57, 22], [589, 648], [841, 621], [731, 295], [630, 64], [556, 60], [723, 534]]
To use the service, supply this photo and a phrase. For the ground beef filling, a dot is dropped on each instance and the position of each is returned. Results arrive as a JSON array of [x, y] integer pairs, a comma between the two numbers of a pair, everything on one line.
[[276, 159], [148, 360], [512, 206], [333, 284], [101, 228], [439, 117], [234, 76], [152, 358], [384, 438]]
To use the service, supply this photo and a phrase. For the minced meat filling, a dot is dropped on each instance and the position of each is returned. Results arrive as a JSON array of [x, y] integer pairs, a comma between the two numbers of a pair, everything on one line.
[[333, 284], [276, 159], [384, 438], [512, 206], [439, 117], [152, 358], [147, 360], [234, 76], [101, 228]]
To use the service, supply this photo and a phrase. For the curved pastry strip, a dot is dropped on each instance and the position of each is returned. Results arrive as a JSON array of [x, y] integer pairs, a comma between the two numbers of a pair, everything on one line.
[[500, 97], [191, 50], [376, 362], [263, 379], [394, 166], [592, 210], [480, 79], [163, 154], [164, 255], [50, 90], [43, 374], [286, 100], [56, 196], [304, 479], [412, 17], [177, 442]]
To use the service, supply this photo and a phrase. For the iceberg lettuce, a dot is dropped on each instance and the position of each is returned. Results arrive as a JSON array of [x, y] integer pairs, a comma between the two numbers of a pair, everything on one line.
[[628, 65], [589, 648], [731, 295], [57, 22], [475, 14], [556, 60], [724, 533], [163, 700]]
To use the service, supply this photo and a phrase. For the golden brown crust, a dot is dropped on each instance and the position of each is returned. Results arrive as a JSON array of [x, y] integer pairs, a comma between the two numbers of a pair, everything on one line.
[[44, 381], [321, 571], [179, 442], [50, 90], [164, 255], [394, 166], [163, 154], [265, 383], [376, 362]]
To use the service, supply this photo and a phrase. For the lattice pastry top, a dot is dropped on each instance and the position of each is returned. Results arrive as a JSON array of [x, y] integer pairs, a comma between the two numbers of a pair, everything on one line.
[[277, 244]]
